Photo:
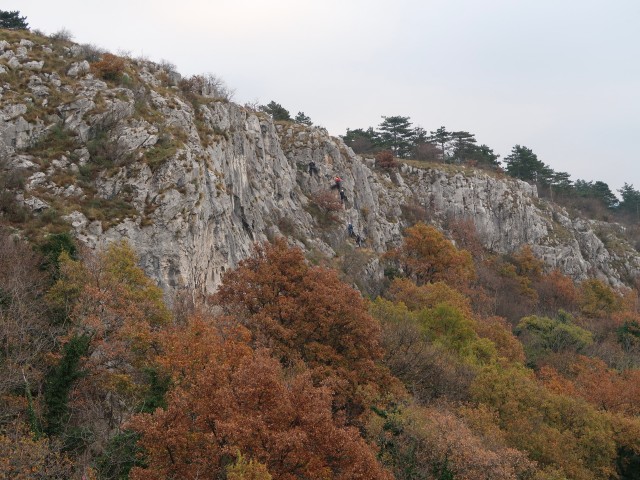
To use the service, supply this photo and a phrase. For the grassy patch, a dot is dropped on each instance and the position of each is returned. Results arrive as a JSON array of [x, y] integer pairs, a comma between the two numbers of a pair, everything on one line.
[[57, 142], [157, 155]]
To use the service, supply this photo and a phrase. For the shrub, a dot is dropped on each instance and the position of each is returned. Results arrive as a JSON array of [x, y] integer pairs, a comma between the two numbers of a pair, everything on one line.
[[385, 160], [325, 204], [63, 34], [111, 67], [92, 53], [207, 85]]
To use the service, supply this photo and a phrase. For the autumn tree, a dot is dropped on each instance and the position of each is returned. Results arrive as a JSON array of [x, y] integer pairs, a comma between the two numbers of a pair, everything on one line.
[[230, 399], [564, 435], [325, 204], [110, 67], [101, 374], [428, 371], [24, 456], [556, 291], [418, 442], [598, 299], [306, 314], [593, 380], [26, 335], [426, 255]]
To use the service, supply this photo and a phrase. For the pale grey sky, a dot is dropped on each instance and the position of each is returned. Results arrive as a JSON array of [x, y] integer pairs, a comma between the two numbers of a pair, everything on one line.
[[559, 76]]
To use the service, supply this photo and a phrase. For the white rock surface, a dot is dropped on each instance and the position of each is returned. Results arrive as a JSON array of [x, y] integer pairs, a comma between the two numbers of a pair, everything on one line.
[[225, 177]]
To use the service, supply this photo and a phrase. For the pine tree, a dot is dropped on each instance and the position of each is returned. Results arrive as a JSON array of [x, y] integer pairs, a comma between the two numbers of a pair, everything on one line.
[[13, 20], [360, 140], [463, 145], [442, 138], [277, 111], [302, 119], [397, 135], [630, 200], [522, 163]]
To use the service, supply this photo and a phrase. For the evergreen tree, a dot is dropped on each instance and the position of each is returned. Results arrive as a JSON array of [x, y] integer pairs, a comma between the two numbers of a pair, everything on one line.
[[561, 184], [302, 119], [60, 381], [522, 163], [483, 155], [13, 20], [442, 138], [397, 135], [360, 140], [277, 111], [630, 200], [598, 190], [464, 144]]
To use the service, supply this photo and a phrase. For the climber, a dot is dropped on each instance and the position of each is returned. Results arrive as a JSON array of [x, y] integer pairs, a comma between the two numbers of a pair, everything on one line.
[[312, 168], [359, 240], [350, 229], [343, 196], [338, 183]]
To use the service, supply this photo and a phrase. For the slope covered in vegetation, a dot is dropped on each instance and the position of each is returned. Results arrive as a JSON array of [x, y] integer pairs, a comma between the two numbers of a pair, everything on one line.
[[288, 373], [459, 356]]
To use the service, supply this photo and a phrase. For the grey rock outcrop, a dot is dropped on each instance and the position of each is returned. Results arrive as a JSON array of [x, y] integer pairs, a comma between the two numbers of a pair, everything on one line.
[[192, 185]]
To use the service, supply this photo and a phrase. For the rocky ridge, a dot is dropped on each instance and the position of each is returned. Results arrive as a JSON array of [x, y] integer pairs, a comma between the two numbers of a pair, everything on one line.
[[193, 180]]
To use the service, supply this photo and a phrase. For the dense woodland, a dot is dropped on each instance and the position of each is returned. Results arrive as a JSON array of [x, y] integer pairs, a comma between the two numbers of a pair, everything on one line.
[[468, 364]]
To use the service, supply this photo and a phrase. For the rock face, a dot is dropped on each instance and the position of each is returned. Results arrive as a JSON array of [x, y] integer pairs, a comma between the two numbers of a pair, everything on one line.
[[193, 181]]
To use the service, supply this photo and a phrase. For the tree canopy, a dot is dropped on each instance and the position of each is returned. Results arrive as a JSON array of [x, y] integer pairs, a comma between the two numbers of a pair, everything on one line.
[[12, 20], [277, 111]]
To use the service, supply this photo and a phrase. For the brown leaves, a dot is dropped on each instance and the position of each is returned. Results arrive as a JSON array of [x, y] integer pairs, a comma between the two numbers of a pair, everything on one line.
[[427, 256], [306, 314], [230, 398]]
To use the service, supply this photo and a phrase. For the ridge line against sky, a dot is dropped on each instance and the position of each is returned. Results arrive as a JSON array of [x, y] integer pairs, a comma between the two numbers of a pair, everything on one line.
[[561, 77]]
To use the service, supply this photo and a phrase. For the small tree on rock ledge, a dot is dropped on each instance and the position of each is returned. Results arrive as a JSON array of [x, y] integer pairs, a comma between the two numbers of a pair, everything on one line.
[[13, 20]]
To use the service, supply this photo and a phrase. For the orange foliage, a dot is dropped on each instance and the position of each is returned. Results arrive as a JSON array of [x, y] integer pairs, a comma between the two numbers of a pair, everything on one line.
[[465, 234], [306, 314], [434, 443], [384, 159], [527, 264], [25, 457], [499, 332], [591, 379], [428, 256], [228, 398], [110, 67], [598, 299], [430, 295], [121, 310], [556, 291]]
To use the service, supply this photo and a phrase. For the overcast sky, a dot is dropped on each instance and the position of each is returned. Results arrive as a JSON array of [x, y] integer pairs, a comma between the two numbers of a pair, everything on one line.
[[561, 77]]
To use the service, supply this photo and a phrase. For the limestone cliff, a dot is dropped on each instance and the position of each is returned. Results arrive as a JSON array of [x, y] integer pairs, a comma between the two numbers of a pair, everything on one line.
[[192, 181]]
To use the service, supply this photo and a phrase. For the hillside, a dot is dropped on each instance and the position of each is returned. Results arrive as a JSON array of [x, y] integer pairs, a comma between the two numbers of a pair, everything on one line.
[[192, 180], [182, 297]]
